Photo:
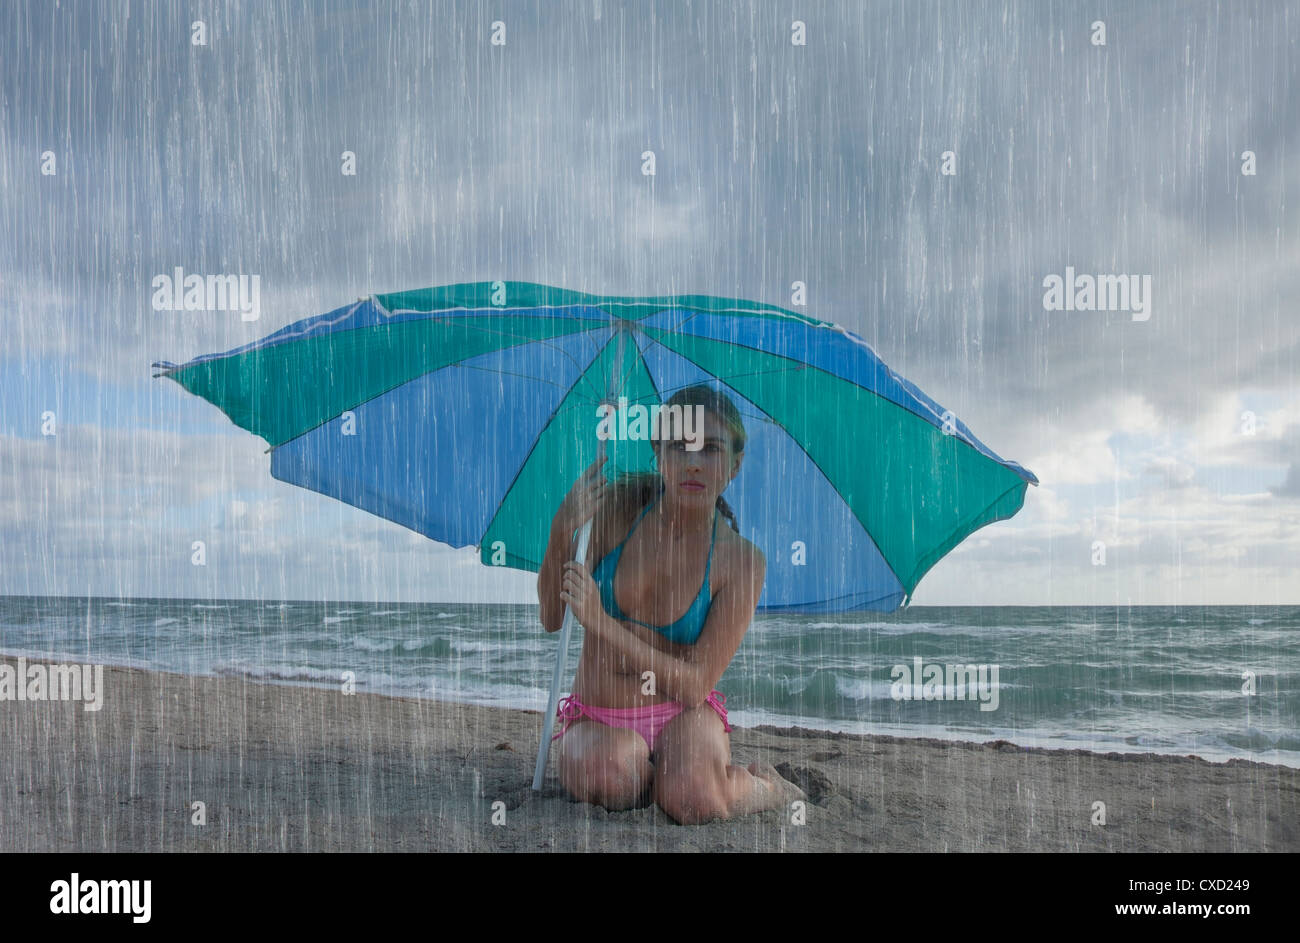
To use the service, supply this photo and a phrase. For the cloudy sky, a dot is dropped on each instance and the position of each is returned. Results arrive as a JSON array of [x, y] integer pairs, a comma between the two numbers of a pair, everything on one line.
[[127, 150]]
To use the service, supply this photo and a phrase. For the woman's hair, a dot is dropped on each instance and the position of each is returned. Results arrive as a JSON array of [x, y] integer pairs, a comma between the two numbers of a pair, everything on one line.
[[640, 487]]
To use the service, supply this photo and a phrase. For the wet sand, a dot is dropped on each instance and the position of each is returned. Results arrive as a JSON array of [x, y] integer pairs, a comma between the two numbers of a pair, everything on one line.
[[282, 768]]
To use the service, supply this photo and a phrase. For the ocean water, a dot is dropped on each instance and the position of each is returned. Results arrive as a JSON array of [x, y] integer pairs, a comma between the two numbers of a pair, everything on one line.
[[1127, 679]]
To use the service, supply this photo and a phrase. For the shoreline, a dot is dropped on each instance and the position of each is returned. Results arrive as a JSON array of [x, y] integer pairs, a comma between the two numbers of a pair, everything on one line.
[[283, 767], [11, 655]]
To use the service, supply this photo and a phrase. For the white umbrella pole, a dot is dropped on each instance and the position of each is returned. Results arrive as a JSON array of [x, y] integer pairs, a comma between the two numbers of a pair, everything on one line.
[[557, 678]]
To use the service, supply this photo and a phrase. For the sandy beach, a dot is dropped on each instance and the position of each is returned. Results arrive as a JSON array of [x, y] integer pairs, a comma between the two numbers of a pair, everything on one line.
[[281, 768]]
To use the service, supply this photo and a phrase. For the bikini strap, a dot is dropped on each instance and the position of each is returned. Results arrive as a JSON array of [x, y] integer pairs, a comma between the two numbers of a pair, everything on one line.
[[713, 536], [569, 710], [644, 510], [632, 530]]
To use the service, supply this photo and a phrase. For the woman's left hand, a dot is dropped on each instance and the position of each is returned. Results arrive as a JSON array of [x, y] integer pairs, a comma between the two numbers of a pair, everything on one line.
[[580, 593]]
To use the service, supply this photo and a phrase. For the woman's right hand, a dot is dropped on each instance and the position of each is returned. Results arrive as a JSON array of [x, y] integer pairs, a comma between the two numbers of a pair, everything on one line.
[[580, 504]]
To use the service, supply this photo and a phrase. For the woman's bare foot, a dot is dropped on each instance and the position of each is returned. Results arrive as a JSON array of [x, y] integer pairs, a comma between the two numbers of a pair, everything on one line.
[[784, 792]]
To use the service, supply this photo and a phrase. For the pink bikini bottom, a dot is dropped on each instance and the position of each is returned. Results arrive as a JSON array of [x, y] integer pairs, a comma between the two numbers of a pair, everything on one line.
[[647, 721]]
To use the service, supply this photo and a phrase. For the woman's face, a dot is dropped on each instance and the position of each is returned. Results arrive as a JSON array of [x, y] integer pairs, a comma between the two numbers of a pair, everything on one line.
[[698, 477]]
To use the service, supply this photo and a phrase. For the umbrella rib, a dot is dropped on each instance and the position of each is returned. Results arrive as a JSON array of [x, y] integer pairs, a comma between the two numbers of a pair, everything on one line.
[[497, 332], [759, 373], [799, 365], [543, 342], [598, 396], [412, 379], [821, 471], [795, 364], [723, 377], [655, 342], [929, 417], [547, 343], [719, 376], [640, 355], [503, 373], [538, 438]]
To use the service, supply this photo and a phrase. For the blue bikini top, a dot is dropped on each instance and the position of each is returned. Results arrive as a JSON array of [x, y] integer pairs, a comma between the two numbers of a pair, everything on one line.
[[687, 629]]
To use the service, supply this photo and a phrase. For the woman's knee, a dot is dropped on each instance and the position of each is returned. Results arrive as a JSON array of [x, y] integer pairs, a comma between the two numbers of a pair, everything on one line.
[[691, 768], [610, 771]]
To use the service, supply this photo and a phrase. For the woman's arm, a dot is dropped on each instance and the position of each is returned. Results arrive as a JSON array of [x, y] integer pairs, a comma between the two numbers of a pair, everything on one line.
[[687, 678], [579, 505], [559, 551], [680, 677]]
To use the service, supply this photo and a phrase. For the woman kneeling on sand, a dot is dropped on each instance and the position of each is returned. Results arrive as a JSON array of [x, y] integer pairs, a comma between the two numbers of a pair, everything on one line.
[[630, 738]]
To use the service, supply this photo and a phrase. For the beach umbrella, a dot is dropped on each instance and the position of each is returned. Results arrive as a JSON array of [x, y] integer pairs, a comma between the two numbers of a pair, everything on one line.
[[465, 413]]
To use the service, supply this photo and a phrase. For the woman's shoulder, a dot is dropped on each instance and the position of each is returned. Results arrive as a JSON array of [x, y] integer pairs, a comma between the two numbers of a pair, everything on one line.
[[737, 557]]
